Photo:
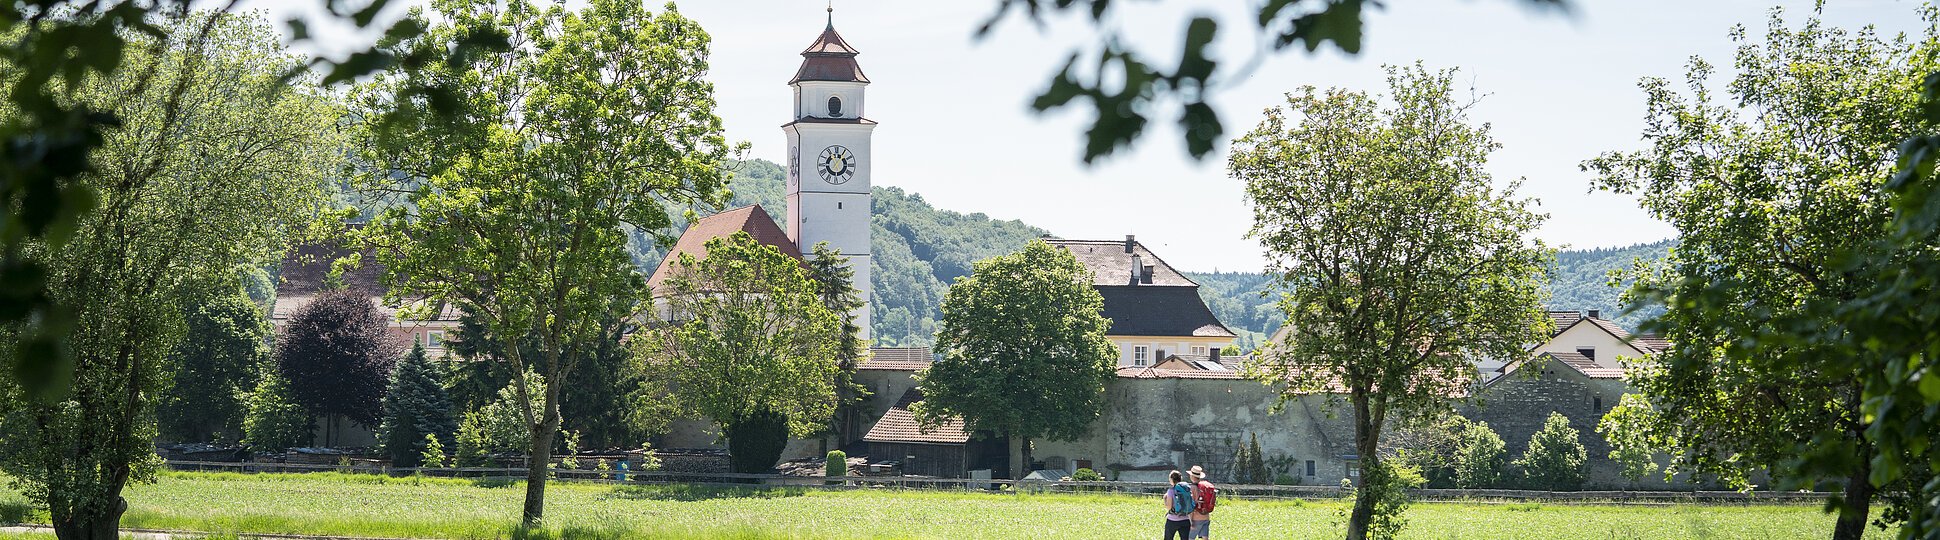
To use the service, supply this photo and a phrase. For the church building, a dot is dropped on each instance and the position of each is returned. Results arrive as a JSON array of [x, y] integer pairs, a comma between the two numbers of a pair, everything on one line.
[[828, 171]]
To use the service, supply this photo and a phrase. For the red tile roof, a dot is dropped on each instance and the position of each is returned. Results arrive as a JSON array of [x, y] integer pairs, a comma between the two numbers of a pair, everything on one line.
[[899, 426], [896, 359], [830, 58], [751, 219]]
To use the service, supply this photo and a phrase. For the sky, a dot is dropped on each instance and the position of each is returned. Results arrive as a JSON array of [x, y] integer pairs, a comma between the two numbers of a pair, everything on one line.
[[956, 126]]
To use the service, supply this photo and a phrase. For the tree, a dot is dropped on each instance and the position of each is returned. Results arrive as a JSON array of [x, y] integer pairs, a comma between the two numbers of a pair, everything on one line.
[[1776, 191], [1480, 463], [273, 420], [1242, 474], [1401, 262], [415, 406], [834, 284], [605, 375], [1122, 101], [519, 204], [337, 353], [1627, 428], [1256, 462], [1432, 444], [212, 369], [216, 162], [746, 341], [1554, 458], [1024, 351]]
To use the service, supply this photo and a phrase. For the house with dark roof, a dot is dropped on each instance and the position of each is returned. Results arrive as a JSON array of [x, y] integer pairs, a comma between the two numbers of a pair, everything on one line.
[[1155, 310]]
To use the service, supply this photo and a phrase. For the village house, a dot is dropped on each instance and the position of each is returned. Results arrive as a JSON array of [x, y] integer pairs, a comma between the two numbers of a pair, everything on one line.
[[1176, 401], [1578, 372]]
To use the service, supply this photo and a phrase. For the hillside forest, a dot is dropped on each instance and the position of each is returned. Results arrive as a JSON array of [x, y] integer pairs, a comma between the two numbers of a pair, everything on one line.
[[919, 250]]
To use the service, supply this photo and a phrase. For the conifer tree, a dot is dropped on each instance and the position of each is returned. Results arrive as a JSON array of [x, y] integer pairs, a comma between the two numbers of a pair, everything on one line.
[[415, 406]]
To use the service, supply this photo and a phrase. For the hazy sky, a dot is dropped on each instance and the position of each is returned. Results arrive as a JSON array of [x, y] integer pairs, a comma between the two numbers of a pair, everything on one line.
[[956, 128]]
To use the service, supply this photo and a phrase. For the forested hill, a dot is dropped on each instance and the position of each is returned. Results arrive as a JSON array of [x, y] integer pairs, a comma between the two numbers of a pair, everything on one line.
[[1581, 281], [919, 250]]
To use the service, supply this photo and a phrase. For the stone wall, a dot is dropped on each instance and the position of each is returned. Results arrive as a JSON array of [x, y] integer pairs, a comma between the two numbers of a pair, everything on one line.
[[1516, 406], [1152, 425]]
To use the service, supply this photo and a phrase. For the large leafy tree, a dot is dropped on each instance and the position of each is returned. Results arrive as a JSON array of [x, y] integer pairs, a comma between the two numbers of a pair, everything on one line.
[[53, 128], [1774, 186], [214, 366], [337, 353], [215, 163], [1402, 261], [517, 206], [745, 340], [415, 405], [1024, 350]]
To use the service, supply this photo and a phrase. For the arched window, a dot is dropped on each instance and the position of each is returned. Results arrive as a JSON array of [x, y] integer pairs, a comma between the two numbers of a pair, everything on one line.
[[835, 107]]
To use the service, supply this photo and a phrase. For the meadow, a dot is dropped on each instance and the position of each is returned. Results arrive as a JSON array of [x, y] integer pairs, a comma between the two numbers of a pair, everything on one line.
[[375, 506]]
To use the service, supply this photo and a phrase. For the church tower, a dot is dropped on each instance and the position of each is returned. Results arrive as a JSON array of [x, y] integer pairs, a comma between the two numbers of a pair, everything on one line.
[[828, 158]]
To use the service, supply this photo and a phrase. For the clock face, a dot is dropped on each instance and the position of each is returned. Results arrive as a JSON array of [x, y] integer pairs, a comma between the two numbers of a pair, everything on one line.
[[837, 165]]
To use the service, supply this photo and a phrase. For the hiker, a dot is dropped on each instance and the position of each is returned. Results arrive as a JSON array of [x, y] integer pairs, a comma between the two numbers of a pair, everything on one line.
[[1178, 507], [1204, 497]]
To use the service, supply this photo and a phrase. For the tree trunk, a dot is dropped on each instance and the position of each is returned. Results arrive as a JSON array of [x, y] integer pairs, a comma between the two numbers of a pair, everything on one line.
[[1857, 508], [1366, 438], [1025, 448], [103, 526], [537, 468]]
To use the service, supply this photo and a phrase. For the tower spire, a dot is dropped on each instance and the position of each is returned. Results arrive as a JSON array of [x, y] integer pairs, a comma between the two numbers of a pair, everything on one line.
[[831, 13]]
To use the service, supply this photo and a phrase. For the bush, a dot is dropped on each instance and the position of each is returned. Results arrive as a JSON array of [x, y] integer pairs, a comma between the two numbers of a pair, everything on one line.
[[499, 426], [1554, 459], [1388, 484], [274, 421], [755, 441], [1480, 459], [434, 452], [1086, 475], [1286, 480], [838, 464]]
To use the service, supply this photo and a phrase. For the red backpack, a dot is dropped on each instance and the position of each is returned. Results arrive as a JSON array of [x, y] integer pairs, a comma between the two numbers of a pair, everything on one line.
[[1205, 495]]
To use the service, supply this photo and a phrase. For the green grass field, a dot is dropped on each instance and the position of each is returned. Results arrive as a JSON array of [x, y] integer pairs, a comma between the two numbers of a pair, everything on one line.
[[353, 505]]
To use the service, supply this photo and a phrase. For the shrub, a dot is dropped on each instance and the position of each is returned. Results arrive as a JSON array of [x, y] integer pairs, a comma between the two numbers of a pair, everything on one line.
[[1286, 480], [1554, 459], [755, 441], [1388, 484], [1479, 461], [473, 445], [1086, 475], [273, 420], [570, 458], [838, 464], [434, 452]]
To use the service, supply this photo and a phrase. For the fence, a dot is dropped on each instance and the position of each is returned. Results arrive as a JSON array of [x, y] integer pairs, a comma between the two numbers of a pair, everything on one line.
[[740, 480]]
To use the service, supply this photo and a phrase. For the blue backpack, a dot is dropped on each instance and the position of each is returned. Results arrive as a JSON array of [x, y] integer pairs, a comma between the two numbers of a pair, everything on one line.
[[1181, 499]]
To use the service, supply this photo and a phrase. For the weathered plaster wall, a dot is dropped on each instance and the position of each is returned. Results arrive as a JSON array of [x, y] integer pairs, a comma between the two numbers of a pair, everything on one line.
[[1154, 425]]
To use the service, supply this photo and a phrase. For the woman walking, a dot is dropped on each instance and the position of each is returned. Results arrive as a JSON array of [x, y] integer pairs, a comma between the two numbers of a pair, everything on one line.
[[1178, 508]]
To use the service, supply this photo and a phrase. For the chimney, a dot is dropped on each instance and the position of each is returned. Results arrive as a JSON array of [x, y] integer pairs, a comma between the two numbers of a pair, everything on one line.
[[1145, 276], [1214, 351], [1129, 242], [1137, 264], [1594, 313]]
